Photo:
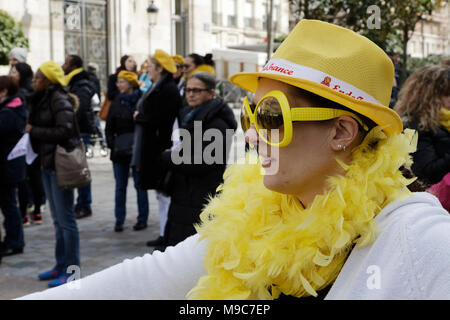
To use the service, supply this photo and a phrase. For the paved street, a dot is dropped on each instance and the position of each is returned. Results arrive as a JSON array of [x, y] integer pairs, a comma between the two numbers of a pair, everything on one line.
[[100, 246]]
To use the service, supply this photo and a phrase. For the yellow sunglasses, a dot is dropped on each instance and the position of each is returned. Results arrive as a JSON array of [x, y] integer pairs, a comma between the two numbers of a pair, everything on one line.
[[274, 113]]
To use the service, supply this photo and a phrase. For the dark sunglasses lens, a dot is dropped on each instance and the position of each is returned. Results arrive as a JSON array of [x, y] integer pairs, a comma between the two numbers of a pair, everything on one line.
[[245, 119], [269, 116]]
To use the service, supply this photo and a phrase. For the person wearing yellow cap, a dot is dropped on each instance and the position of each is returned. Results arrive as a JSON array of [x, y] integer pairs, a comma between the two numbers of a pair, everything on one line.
[[51, 123], [119, 132], [156, 113], [323, 210], [178, 75]]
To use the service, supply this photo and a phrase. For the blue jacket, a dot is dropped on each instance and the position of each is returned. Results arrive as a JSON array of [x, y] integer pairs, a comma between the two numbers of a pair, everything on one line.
[[13, 117]]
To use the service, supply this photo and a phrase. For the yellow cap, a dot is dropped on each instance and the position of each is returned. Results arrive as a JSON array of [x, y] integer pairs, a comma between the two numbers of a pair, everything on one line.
[[165, 60], [204, 68], [131, 77], [178, 59], [337, 64], [53, 72]]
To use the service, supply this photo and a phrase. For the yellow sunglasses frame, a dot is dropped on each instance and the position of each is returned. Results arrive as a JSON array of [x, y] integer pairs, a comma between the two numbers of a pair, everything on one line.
[[294, 114]]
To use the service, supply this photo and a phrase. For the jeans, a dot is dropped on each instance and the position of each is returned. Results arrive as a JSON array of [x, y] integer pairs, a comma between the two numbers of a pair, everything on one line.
[[13, 218], [67, 249], [84, 198], [121, 175]]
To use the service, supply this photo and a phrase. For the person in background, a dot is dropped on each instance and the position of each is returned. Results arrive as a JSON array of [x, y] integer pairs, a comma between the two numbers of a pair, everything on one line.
[[194, 183], [51, 123], [144, 77], [424, 105], [127, 63], [155, 117], [120, 130], [13, 117], [17, 55], [31, 190], [178, 75], [79, 83]]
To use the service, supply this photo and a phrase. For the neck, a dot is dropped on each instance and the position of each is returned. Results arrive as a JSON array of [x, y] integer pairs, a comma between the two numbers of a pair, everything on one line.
[[156, 77]]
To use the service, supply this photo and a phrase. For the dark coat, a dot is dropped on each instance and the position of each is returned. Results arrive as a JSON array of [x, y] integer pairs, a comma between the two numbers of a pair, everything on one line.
[[52, 120], [120, 120], [432, 158], [13, 117], [192, 183], [81, 86], [160, 110]]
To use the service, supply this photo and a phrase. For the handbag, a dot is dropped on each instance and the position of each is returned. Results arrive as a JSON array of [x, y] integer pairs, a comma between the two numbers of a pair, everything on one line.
[[72, 170], [104, 110], [442, 191], [123, 144]]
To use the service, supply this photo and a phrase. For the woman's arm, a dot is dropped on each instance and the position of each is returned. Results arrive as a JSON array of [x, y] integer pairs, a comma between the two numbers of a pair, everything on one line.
[[165, 275]]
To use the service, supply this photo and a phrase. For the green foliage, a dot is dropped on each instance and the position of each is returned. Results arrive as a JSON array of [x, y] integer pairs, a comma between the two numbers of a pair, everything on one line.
[[11, 36], [398, 18], [416, 63]]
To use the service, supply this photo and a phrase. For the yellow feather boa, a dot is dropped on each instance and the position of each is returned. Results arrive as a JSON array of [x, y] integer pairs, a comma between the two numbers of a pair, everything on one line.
[[444, 119], [261, 243]]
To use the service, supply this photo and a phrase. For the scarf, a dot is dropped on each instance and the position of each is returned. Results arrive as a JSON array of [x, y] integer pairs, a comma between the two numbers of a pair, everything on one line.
[[261, 243], [72, 74], [128, 100], [188, 118], [444, 119]]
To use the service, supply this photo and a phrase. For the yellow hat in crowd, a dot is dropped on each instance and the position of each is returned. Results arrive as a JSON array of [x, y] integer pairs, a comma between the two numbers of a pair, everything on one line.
[[204, 68], [178, 59], [53, 72], [131, 77], [337, 64], [165, 60]]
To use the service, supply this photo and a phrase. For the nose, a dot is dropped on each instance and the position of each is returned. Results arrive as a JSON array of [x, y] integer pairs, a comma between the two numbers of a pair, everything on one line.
[[251, 136]]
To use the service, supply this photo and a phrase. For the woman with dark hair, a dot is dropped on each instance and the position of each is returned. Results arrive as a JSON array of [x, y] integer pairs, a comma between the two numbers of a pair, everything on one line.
[[155, 116], [52, 123], [196, 181], [31, 190], [23, 73], [127, 63], [119, 132], [13, 117], [196, 63]]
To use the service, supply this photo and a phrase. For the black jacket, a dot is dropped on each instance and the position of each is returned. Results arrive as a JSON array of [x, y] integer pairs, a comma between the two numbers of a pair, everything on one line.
[[159, 112], [432, 158], [81, 86], [13, 117], [120, 120], [52, 120], [192, 183]]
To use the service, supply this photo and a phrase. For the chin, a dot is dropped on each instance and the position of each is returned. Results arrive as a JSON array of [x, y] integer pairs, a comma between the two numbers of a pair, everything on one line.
[[274, 183]]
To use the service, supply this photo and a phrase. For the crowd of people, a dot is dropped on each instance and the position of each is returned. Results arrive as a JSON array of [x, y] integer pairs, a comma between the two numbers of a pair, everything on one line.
[[55, 106], [297, 232]]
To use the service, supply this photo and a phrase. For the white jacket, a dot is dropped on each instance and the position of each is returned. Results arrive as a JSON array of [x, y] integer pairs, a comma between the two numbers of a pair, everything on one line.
[[409, 259]]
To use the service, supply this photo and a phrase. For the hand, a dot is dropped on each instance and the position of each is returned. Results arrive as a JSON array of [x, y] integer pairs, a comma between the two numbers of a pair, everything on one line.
[[28, 128], [135, 114]]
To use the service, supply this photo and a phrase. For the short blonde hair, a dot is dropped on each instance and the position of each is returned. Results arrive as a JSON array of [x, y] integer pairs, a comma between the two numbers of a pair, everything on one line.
[[420, 97]]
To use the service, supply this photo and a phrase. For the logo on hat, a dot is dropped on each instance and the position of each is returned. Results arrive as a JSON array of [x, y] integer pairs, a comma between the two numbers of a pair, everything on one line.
[[274, 67], [326, 81]]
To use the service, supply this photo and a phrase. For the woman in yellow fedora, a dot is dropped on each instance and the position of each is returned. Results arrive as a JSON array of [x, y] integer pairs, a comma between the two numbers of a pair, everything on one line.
[[331, 216]]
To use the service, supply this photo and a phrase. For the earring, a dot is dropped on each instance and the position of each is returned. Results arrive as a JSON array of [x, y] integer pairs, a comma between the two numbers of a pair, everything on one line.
[[339, 146]]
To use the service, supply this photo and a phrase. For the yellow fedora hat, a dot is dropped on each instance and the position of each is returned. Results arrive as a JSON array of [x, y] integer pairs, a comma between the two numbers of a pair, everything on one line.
[[337, 64], [165, 60]]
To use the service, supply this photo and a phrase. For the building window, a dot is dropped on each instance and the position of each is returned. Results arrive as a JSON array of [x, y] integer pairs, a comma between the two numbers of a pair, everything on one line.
[[231, 8], [215, 14], [249, 20]]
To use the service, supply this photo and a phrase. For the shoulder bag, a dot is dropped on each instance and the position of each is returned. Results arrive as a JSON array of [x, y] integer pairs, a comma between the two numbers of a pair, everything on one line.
[[71, 168]]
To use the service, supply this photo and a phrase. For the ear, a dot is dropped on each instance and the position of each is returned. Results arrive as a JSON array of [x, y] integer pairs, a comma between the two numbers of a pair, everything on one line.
[[344, 133]]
